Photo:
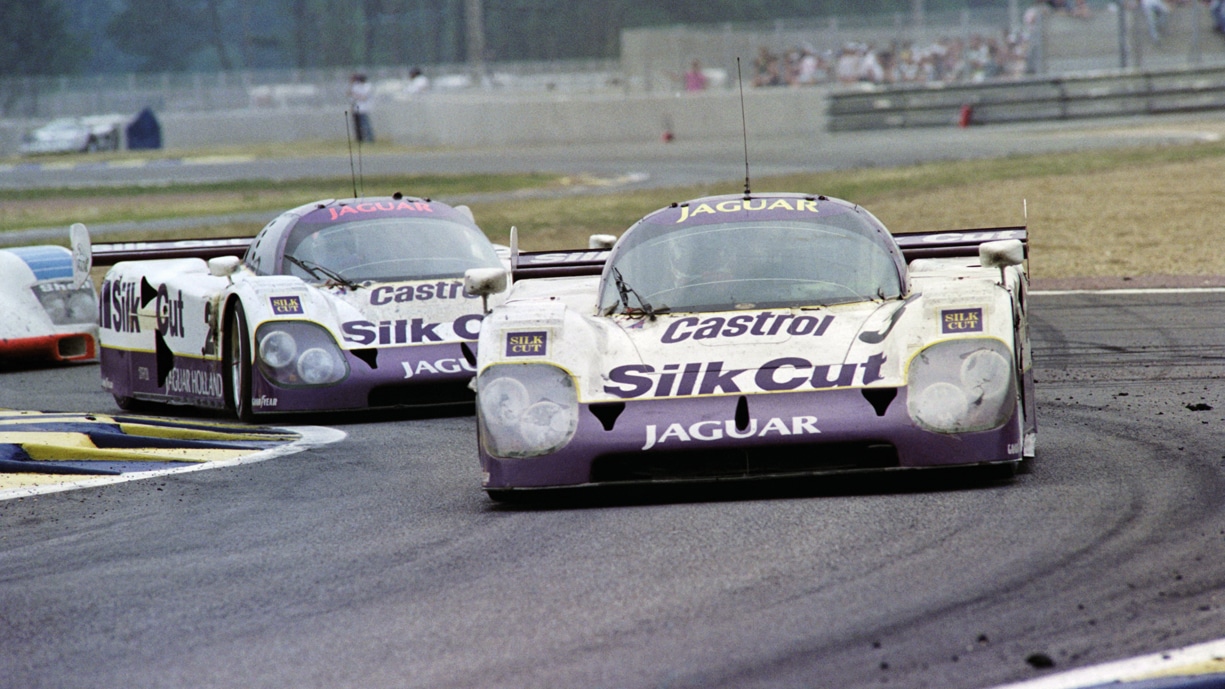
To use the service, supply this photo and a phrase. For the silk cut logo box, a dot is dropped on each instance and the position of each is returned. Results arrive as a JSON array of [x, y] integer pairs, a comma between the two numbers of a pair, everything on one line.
[[283, 306], [961, 321], [533, 343]]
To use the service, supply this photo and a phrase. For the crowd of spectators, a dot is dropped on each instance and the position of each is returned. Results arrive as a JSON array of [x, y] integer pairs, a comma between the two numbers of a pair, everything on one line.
[[946, 60]]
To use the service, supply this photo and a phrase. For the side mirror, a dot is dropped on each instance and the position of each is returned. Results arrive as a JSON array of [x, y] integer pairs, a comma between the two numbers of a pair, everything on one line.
[[1001, 254], [223, 266], [483, 282], [601, 241], [82, 254]]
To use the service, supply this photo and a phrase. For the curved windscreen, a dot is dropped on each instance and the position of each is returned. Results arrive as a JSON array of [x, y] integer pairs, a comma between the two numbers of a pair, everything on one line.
[[751, 265], [386, 249]]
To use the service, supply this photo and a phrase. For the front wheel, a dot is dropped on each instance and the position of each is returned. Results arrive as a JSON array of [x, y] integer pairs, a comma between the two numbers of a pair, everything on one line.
[[238, 364]]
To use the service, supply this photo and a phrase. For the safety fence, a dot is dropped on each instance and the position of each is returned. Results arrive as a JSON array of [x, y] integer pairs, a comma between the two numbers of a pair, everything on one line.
[[1106, 94]]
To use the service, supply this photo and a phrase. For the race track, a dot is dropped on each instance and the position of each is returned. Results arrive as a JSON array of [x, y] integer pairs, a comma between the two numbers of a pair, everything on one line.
[[378, 562]]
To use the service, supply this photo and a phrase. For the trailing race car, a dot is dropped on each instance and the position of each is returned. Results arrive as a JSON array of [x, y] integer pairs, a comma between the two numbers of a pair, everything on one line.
[[76, 134], [753, 336], [336, 305], [49, 307]]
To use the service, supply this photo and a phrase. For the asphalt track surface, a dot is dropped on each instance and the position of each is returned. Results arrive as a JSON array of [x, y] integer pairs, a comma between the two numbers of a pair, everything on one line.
[[378, 562]]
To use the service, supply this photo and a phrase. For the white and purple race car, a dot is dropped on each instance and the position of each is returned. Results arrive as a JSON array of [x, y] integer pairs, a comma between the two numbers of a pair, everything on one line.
[[335, 305], [757, 336]]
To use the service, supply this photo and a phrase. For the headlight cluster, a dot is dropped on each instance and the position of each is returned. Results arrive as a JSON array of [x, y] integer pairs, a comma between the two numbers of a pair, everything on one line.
[[65, 305], [962, 385], [526, 409], [294, 353]]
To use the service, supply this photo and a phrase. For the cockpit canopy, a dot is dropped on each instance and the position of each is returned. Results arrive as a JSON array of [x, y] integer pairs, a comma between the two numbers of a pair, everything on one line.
[[381, 240], [731, 253]]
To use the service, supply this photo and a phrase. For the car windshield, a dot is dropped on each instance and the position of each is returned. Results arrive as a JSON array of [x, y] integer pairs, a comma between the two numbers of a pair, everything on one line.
[[748, 265], [386, 249]]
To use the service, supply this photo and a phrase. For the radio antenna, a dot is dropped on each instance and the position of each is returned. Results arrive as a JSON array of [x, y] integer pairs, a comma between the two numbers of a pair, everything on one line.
[[744, 129], [349, 138]]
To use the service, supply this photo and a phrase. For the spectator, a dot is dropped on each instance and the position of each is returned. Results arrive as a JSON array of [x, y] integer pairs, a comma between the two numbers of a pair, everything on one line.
[[360, 91], [695, 79], [847, 68], [809, 70], [1155, 13], [417, 81], [1216, 8]]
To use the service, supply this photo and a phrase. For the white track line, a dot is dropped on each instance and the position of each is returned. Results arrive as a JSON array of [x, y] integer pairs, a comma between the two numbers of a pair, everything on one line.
[[1190, 661]]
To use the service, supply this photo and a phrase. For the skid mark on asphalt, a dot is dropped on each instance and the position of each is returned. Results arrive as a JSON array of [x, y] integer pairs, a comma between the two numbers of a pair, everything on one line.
[[43, 452]]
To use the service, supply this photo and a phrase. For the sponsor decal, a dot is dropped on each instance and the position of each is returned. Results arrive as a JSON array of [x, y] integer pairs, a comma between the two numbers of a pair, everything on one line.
[[965, 237], [45, 287], [1014, 448], [442, 289], [533, 343], [195, 383], [411, 331], [706, 378], [436, 367], [737, 205], [379, 207], [961, 320], [118, 306], [565, 257], [764, 323], [285, 306], [264, 401], [169, 313], [709, 431]]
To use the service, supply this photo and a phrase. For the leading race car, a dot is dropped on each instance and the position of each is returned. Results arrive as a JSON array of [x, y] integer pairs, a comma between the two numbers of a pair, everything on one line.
[[48, 306], [336, 305], [757, 335]]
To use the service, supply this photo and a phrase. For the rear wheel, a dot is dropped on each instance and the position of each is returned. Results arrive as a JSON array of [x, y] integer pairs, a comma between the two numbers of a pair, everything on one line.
[[238, 364]]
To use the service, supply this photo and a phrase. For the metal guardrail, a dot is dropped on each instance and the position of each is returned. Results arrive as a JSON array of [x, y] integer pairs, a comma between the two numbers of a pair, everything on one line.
[[1058, 98]]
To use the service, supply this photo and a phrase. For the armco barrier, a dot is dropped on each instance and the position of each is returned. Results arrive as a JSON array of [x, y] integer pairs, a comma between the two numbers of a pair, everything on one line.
[[1104, 94]]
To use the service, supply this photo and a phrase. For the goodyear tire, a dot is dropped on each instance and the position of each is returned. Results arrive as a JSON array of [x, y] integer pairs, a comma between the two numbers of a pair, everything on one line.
[[238, 364]]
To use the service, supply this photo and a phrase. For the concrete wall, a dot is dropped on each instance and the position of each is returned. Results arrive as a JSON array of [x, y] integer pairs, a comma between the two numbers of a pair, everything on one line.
[[490, 120]]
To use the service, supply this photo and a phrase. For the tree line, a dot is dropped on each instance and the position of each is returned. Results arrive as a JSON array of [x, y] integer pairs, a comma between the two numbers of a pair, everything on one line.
[[51, 37]]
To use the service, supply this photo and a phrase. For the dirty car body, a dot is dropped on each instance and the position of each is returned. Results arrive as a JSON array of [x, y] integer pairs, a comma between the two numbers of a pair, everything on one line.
[[336, 305], [758, 336]]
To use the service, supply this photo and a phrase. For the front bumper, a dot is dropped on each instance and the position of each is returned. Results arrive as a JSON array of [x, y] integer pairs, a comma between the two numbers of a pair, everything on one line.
[[57, 347], [423, 375], [749, 436]]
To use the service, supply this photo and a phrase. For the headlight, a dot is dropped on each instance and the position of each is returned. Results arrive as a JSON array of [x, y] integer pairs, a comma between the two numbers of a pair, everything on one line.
[[82, 306], [277, 349], [961, 386], [316, 366], [295, 353], [526, 410], [65, 305]]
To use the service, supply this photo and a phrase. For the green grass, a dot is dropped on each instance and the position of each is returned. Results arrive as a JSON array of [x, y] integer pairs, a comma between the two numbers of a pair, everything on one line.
[[1130, 211]]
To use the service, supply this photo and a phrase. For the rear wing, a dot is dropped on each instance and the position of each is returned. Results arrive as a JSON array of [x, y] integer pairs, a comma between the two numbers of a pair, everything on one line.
[[955, 243], [110, 254], [526, 265]]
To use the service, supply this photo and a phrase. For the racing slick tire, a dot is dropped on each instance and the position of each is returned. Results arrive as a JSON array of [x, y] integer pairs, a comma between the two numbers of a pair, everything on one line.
[[238, 364], [125, 403]]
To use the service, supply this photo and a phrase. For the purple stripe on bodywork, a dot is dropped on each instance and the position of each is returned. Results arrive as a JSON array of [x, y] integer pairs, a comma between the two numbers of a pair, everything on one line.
[[400, 376], [772, 425]]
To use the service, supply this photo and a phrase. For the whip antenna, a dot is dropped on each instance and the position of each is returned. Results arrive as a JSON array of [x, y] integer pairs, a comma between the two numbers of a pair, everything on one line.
[[349, 138], [744, 129]]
